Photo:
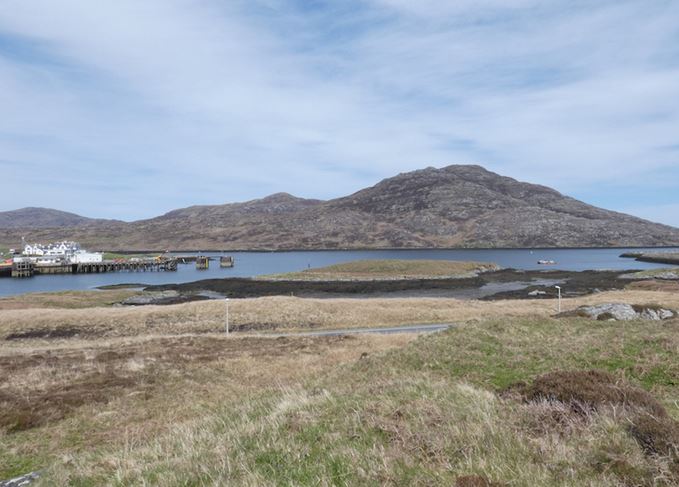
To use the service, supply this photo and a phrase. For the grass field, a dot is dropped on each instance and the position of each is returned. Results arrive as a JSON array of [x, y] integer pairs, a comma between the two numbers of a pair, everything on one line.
[[389, 269], [65, 299], [153, 396], [278, 313]]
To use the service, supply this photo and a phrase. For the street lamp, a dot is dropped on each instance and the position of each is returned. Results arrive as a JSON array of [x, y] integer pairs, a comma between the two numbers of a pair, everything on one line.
[[226, 301], [558, 288]]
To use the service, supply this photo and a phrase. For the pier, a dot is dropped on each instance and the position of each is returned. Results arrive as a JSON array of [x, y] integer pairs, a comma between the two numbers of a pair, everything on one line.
[[141, 265], [202, 262], [23, 268], [26, 268]]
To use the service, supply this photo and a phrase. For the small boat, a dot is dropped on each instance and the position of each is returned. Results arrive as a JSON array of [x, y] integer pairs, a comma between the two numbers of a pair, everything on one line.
[[226, 261], [546, 262], [6, 268]]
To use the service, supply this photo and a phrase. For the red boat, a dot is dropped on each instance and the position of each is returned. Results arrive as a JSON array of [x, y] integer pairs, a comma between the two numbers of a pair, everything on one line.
[[6, 268]]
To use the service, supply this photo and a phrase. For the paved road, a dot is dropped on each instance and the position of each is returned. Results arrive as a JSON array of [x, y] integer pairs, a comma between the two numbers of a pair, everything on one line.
[[354, 331]]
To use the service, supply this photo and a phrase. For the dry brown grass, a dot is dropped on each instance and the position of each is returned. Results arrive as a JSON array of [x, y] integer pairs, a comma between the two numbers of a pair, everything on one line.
[[149, 386], [66, 299], [276, 313], [565, 393], [58, 400], [476, 481], [588, 390], [654, 285], [206, 410], [389, 270], [42, 385]]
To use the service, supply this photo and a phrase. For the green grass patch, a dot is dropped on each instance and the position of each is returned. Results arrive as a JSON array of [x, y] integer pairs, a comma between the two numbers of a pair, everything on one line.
[[14, 464], [389, 269], [497, 353]]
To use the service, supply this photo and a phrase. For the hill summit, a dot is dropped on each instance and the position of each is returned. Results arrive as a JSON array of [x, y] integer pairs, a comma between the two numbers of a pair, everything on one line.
[[455, 206]]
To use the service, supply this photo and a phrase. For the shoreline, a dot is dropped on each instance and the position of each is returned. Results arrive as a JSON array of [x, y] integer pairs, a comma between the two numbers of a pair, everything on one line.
[[493, 285], [361, 249]]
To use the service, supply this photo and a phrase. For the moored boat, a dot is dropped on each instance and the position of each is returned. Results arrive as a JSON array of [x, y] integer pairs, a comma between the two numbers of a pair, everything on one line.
[[6, 268]]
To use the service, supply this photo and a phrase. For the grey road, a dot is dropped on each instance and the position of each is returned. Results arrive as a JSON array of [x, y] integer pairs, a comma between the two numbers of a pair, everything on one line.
[[354, 331]]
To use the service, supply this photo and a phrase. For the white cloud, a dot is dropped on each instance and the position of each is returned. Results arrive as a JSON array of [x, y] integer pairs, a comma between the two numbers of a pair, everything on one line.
[[266, 96]]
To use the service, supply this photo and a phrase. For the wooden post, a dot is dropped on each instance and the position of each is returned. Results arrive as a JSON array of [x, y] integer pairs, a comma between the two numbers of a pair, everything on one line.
[[226, 301]]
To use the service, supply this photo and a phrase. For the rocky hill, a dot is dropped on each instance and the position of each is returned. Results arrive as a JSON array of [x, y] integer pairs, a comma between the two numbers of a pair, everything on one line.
[[456, 206], [40, 218]]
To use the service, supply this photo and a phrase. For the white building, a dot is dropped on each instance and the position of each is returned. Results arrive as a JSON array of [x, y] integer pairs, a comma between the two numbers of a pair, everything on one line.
[[59, 248], [85, 257], [49, 259], [65, 252]]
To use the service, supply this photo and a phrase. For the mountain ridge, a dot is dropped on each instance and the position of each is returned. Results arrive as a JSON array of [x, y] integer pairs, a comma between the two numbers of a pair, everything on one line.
[[43, 218], [457, 206]]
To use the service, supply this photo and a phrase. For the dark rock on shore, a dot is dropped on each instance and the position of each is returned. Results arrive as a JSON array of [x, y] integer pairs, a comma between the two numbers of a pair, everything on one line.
[[503, 284], [671, 258], [162, 297]]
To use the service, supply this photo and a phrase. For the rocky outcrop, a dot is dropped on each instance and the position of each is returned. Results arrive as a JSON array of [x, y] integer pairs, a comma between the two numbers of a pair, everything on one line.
[[622, 312], [162, 298], [671, 258], [455, 206], [42, 218], [23, 480], [660, 274]]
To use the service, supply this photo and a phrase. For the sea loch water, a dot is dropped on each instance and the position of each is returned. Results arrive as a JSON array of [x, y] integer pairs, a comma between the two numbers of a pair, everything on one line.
[[250, 264]]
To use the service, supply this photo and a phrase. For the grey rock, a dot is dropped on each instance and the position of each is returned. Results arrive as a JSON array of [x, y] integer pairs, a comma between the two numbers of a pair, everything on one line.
[[537, 293], [621, 312], [149, 298], [617, 311], [21, 481], [664, 275]]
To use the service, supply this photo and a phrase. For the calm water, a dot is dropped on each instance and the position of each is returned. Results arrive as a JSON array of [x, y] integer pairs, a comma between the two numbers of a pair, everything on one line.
[[257, 263]]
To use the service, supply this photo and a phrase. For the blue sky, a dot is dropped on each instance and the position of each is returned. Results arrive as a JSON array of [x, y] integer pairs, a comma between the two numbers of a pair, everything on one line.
[[128, 109]]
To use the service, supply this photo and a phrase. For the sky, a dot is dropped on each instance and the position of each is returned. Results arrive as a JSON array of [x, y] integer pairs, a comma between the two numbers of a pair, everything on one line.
[[129, 109]]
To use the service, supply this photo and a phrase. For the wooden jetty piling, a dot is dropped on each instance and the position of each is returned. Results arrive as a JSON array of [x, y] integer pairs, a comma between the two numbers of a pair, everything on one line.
[[141, 265], [202, 262], [53, 269], [185, 259], [23, 268]]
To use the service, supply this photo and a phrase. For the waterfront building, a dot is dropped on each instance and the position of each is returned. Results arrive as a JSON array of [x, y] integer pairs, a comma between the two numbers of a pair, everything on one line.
[[85, 257], [61, 252], [58, 248]]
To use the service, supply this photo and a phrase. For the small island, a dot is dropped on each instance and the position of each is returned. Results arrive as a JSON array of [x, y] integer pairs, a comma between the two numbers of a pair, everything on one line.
[[388, 270]]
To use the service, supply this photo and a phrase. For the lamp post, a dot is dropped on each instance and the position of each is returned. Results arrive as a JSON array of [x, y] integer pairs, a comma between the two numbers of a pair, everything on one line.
[[558, 288], [226, 301]]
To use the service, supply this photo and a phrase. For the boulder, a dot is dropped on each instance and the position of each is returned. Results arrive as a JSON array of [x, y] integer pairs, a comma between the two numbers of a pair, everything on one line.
[[660, 274], [622, 312], [149, 298]]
